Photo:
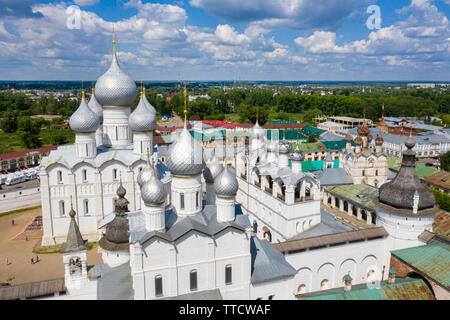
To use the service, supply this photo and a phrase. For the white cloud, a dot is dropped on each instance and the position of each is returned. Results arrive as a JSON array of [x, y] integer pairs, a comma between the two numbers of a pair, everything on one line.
[[295, 14], [86, 2]]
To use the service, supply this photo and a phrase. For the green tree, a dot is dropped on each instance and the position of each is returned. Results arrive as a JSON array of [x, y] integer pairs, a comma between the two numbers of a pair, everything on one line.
[[445, 161], [9, 122], [58, 139], [247, 113], [28, 131], [311, 139]]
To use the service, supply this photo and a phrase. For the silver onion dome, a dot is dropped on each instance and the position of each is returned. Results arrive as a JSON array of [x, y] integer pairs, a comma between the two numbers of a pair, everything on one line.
[[146, 173], [153, 192], [285, 146], [185, 155], [141, 120], [95, 106], [84, 120], [212, 170], [226, 183], [115, 87], [297, 155]]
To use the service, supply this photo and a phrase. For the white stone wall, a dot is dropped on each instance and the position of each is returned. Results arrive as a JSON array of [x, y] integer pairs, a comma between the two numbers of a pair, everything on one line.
[[193, 251], [334, 262]]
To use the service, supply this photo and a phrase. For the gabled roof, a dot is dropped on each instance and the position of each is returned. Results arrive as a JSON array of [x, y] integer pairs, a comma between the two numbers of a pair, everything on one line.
[[333, 177], [433, 260], [267, 262], [403, 289]]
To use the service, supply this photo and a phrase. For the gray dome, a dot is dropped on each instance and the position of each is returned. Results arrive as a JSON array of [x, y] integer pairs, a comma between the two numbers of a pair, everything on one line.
[[257, 131], [153, 192], [146, 174], [185, 155], [285, 146], [226, 183], [297, 155], [149, 105], [115, 87], [95, 106], [399, 193], [141, 120], [84, 120], [212, 170]]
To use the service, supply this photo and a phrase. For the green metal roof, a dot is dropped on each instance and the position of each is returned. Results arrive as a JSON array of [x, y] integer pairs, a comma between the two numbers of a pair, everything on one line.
[[312, 131], [335, 145], [421, 169], [289, 134], [207, 137], [311, 147], [432, 259], [361, 194], [403, 289]]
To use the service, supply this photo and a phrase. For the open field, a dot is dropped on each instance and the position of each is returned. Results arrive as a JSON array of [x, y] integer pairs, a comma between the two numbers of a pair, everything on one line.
[[19, 252]]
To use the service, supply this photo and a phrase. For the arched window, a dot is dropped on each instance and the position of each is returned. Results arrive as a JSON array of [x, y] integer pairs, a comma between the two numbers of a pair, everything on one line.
[[301, 289], [114, 174], [228, 274], [324, 284], [59, 176], [75, 266], [193, 279], [86, 206], [158, 286], [62, 211], [84, 175]]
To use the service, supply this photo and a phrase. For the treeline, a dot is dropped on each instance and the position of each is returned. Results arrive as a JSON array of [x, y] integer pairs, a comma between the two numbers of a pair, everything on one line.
[[423, 103]]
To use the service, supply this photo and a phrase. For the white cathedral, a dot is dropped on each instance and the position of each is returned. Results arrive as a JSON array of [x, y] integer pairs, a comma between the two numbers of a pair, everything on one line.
[[260, 233]]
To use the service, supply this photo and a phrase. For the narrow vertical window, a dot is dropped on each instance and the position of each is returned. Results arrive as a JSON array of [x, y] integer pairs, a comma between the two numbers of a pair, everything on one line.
[[196, 199], [158, 286], [61, 208], [87, 151], [115, 174], [84, 175], [228, 274], [59, 176], [193, 279], [182, 200], [86, 206]]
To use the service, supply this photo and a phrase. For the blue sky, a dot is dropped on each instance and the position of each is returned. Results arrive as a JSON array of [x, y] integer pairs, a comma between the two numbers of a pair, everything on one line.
[[226, 39]]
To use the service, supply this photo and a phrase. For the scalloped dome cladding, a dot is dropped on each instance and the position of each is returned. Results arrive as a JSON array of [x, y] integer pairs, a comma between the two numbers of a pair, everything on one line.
[[115, 87], [153, 191], [297, 155], [84, 120], [226, 183], [146, 173], [212, 170], [185, 155], [96, 107], [285, 146], [348, 137], [141, 119]]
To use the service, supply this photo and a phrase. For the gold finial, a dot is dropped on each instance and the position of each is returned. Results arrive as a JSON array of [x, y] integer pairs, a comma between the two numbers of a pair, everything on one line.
[[153, 163], [114, 39], [148, 153], [185, 108]]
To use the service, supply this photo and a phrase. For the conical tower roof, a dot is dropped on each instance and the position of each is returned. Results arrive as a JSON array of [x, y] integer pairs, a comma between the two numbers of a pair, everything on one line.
[[74, 241]]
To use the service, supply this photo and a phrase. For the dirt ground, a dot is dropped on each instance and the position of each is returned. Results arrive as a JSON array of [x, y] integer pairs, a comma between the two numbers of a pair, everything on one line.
[[175, 121], [19, 252]]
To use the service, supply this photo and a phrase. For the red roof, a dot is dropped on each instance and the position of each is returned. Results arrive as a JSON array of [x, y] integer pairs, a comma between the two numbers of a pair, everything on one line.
[[159, 140], [18, 154], [60, 125], [170, 129], [245, 125], [284, 125]]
